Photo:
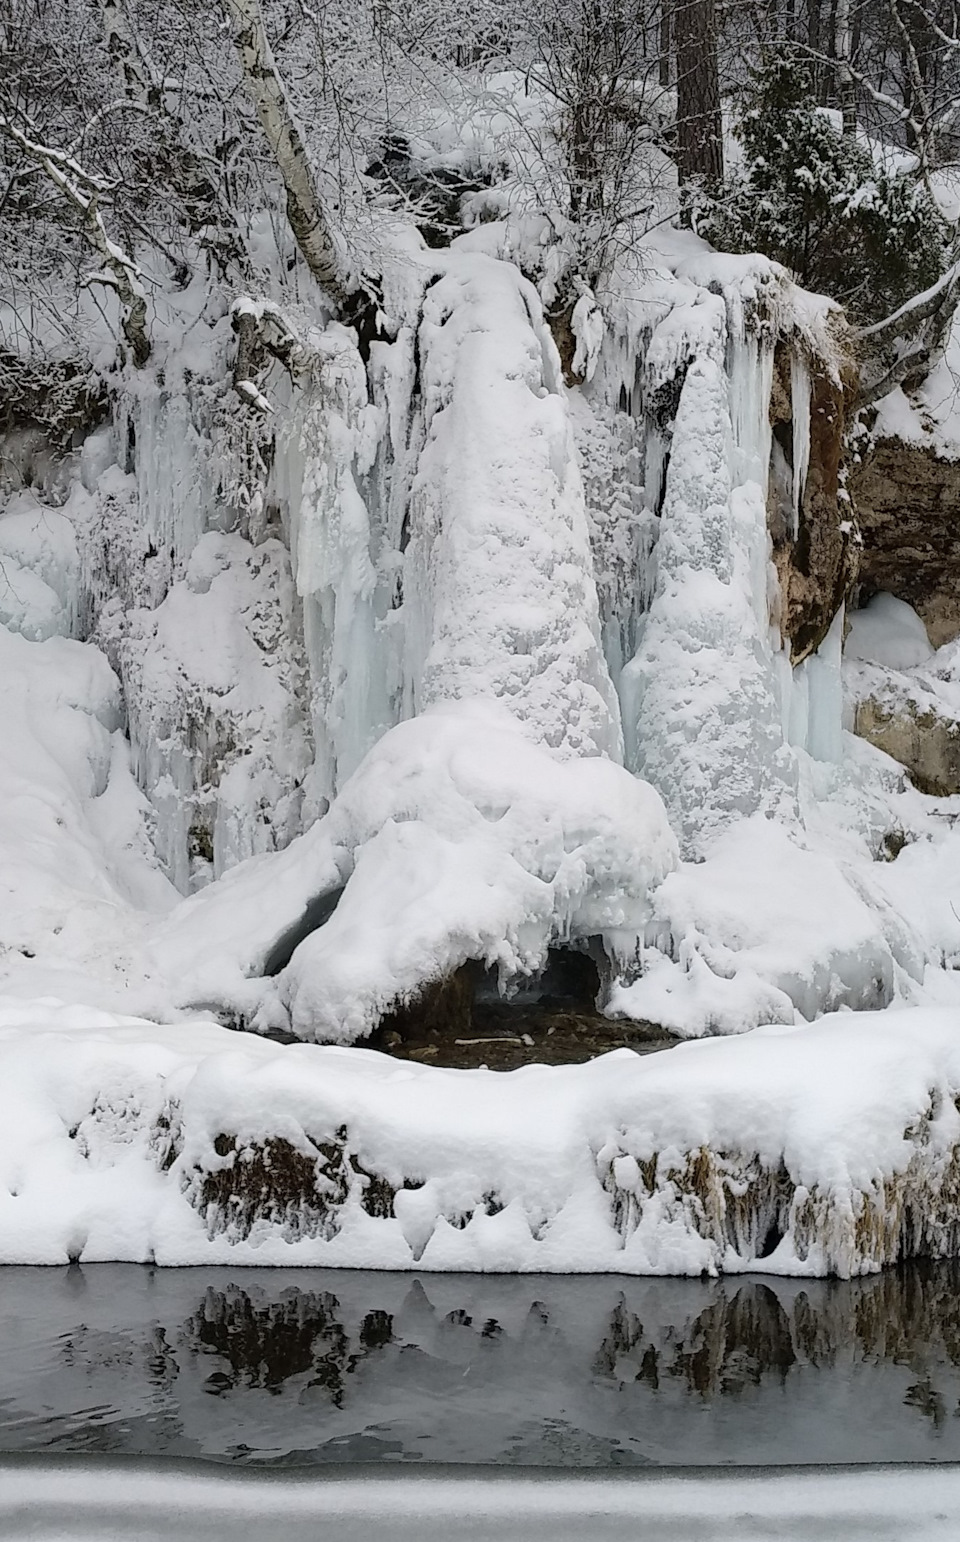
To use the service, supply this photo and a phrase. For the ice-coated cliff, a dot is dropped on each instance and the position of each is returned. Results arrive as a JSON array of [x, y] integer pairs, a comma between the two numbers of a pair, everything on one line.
[[434, 658]]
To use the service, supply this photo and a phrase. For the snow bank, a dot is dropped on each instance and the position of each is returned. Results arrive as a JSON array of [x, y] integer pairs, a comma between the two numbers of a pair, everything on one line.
[[888, 631], [75, 851], [833, 1147], [457, 838], [38, 570], [763, 929]]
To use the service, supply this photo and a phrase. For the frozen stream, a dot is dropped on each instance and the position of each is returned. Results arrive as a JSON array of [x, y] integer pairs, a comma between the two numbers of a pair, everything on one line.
[[292, 1367]]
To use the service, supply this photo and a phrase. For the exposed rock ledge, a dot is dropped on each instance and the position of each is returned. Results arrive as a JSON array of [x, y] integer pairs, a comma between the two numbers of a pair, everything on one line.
[[908, 507]]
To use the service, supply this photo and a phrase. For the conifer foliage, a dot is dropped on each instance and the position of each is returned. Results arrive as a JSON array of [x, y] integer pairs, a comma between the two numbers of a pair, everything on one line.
[[825, 204]]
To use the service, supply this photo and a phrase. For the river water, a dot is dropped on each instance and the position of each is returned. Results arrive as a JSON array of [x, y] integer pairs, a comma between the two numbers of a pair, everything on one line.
[[280, 1368]]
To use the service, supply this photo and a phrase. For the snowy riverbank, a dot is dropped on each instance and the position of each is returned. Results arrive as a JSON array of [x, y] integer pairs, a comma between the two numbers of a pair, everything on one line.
[[833, 1147]]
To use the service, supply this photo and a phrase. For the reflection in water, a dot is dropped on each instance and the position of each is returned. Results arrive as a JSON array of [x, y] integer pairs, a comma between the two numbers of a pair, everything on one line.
[[311, 1365]]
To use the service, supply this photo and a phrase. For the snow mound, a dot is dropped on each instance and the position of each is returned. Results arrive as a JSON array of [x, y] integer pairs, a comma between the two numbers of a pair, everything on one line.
[[76, 855], [828, 1148], [888, 631], [762, 930], [457, 838], [38, 570]]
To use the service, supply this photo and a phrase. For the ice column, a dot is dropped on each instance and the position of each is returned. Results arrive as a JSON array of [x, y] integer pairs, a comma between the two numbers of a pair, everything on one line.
[[701, 688]]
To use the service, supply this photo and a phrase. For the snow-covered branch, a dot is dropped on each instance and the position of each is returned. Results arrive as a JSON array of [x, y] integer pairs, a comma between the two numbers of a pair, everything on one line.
[[82, 189], [910, 341], [261, 330]]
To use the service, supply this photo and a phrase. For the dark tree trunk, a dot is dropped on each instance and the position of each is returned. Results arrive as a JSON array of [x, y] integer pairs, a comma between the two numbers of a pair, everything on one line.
[[665, 9], [699, 130], [813, 42]]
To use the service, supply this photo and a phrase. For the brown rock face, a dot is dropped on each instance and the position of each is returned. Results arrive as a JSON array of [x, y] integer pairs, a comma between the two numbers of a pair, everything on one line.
[[908, 504], [818, 567], [926, 742]]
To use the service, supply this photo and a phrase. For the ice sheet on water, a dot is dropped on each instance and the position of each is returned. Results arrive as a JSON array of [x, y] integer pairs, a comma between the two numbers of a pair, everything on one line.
[[64, 1501]]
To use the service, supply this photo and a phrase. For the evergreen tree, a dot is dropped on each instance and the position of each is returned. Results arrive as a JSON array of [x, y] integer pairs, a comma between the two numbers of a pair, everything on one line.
[[815, 199]]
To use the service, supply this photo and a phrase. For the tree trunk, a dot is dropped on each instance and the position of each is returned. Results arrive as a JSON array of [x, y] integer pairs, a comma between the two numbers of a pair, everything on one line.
[[813, 42], [699, 129], [308, 220], [846, 86], [906, 346], [665, 8]]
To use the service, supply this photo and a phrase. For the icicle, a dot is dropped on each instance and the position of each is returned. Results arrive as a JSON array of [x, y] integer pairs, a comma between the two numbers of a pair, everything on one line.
[[750, 369], [816, 706], [328, 447]]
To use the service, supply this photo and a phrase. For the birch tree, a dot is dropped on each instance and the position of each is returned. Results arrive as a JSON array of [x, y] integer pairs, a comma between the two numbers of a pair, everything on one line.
[[321, 244]]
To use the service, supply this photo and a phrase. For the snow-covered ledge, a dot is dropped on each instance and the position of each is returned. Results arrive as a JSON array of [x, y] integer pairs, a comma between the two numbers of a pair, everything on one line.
[[829, 1148]]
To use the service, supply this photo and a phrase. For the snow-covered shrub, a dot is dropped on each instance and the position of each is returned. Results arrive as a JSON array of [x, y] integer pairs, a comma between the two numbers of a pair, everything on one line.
[[818, 201]]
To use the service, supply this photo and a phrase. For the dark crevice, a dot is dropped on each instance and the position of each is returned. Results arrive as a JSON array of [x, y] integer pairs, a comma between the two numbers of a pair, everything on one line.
[[316, 914]]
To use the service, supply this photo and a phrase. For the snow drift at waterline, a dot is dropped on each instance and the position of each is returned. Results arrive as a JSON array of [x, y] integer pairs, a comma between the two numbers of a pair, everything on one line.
[[829, 1148]]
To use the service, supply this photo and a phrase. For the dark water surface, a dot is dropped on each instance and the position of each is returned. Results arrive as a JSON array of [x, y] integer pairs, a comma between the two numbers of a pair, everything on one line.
[[313, 1366]]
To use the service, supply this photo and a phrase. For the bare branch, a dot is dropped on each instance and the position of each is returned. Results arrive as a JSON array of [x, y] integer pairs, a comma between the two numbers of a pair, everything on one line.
[[82, 190]]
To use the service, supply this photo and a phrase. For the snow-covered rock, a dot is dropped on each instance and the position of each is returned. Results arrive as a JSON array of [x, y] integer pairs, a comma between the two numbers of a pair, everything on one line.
[[763, 930], [902, 696], [834, 1147]]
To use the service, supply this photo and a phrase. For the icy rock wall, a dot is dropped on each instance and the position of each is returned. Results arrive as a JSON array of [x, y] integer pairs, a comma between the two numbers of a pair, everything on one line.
[[201, 624], [705, 357], [213, 680]]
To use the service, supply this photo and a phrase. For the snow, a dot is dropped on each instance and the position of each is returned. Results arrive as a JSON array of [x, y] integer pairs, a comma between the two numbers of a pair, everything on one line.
[[110, 1501], [701, 688], [826, 1148], [213, 681], [469, 664], [77, 864], [456, 839], [499, 594], [888, 631], [762, 930]]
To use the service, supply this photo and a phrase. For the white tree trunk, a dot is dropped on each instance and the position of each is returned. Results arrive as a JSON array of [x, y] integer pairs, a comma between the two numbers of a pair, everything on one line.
[[311, 228]]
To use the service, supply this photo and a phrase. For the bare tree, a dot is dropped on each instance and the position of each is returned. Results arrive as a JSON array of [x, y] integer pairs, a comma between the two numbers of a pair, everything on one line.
[[83, 191]]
